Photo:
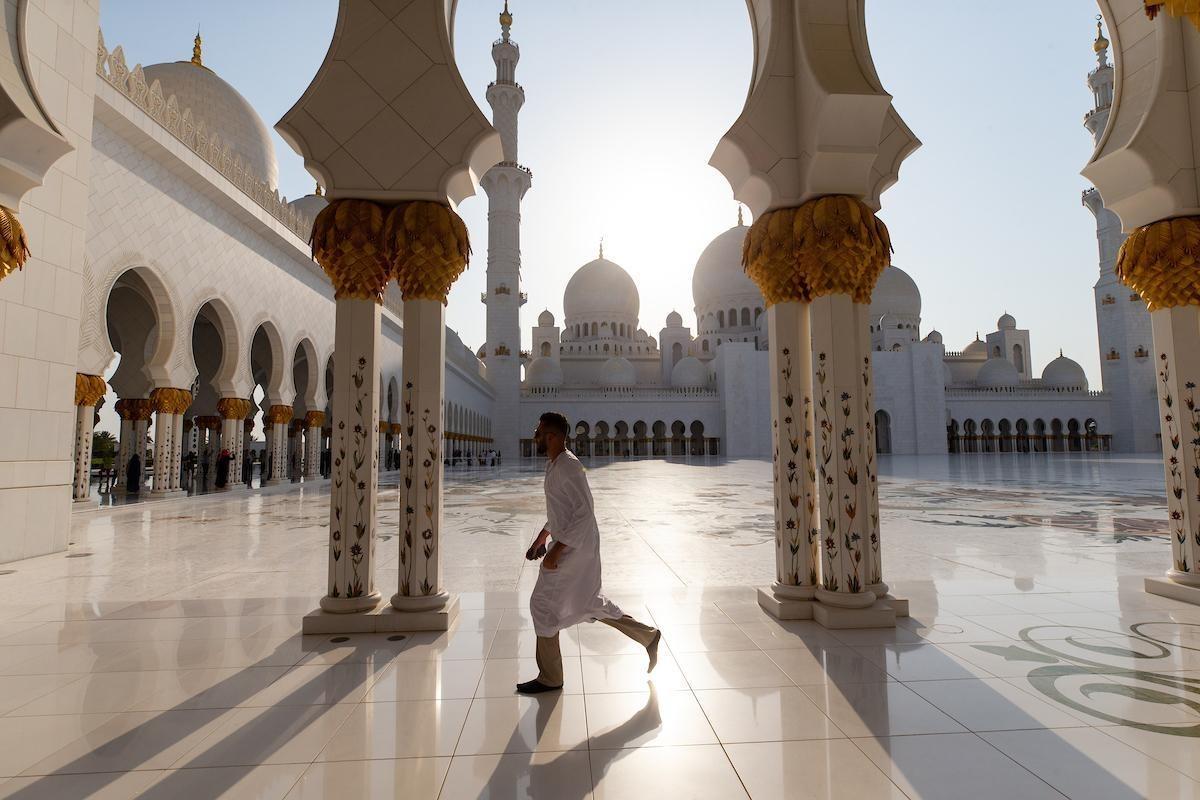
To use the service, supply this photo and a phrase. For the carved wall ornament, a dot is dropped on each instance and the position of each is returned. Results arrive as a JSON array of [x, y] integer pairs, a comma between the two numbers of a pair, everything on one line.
[[1161, 262], [831, 245], [14, 247], [89, 389]]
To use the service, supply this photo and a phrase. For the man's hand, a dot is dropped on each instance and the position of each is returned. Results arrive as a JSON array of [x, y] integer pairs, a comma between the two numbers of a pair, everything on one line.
[[551, 560], [538, 548]]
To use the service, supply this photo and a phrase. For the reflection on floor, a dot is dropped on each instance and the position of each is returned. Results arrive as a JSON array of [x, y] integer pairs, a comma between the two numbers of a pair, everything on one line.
[[159, 657]]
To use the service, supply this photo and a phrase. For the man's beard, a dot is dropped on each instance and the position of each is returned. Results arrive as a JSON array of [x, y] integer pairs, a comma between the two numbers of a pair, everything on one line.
[[541, 448]]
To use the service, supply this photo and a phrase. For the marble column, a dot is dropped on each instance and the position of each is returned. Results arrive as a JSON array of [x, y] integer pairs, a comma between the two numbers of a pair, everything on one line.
[[141, 410], [89, 389], [247, 441], [124, 444], [381, 457], [313, 420], [797, 534], [169, 403], [278, 417], [185, 427], [1159, 261], [178, 445], [232, 411]]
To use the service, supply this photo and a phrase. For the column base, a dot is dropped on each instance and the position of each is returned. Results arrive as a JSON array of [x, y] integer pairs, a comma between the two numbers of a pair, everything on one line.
[[783, 607], [381, 619], [272, 481], [880, 614], [851, 600], [167, 492], [1165, 587], [84, 503]]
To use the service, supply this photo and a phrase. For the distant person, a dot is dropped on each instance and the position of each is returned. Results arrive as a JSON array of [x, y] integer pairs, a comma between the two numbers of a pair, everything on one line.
[[204, 468], [248, 468], [223, 462], [133, 475], [568, 589]]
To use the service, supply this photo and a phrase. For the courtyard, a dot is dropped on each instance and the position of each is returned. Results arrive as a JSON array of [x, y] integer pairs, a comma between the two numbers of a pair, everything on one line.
[[160, 656]]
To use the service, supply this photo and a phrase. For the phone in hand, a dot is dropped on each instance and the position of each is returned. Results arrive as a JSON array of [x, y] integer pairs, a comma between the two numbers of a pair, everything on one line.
[[533, 554]]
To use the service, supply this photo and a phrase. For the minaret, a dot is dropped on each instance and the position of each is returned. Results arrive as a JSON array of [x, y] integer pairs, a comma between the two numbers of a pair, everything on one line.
[[1122, 322], [505, 184]]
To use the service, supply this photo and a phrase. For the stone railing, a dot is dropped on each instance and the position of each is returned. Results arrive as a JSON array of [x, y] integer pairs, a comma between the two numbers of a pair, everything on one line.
[[625, 392], [202, 140], [1027, 391]]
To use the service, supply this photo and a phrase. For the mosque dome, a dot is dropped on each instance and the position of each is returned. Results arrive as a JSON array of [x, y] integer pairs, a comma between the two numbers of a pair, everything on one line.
[[546, 319], [674, 320], [689, 373], [309, 206], [617, 371], [975, 348], [600, 288], [719, 276], [223, 111], [1007, 322], [1064, 373], [997, 372], [934, 336], [895, 294], [544, 372]]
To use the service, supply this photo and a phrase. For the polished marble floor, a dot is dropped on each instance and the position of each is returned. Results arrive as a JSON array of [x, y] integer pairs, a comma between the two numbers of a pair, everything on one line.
[[160, 656]]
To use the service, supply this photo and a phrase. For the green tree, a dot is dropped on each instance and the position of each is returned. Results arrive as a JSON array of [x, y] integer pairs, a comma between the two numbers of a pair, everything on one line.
[[104, 448]]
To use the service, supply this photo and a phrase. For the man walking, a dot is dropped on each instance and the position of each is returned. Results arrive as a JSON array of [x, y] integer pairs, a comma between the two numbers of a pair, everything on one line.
[[568, 589]]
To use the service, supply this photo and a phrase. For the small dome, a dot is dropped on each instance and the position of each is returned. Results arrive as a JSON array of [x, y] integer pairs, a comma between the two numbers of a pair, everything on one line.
[[934, 336], [674, 320], [1007, 322], [617, 371], [309, 206], [975, 348], [641, 335], [896, 294], [600, 288], [546, 319], [222, 110], [719, 277], [997, 372], [1064, 373], [543, 372], [689, 373]]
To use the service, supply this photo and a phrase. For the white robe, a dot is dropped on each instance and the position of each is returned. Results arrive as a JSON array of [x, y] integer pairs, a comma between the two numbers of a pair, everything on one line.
[[571, 593]]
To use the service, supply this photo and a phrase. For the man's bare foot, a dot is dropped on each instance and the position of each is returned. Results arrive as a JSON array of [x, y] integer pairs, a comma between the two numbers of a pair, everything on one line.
[[652, 651]]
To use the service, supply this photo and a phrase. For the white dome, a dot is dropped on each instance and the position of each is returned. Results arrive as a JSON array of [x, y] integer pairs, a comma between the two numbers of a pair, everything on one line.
[[641, 335], [896, 294], [546, 319], [617, 371], [689, 373], [223, 111], [544, 372], [975, 348], [309, 206], [997, 372], [934, 336], [1007, 322], [600, 288], [1064, 373], [719, 276], [674, 320]]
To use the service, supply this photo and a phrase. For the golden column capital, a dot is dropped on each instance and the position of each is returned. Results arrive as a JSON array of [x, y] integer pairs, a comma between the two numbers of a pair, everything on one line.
[[89, 389], [1189, 9], [296, 426], [14, 247], [429, 246], [279, 414], [170, 400], [140, 409], [233, 407], [831, 245], [397, 428], [314, 419], [1161, 262], [347, 241]]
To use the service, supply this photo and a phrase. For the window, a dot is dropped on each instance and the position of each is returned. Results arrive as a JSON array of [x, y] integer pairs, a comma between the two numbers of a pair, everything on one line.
[[546, 349], [720, 319], [704, 345]]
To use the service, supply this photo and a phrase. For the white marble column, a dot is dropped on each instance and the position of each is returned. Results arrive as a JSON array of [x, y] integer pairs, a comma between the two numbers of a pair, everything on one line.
[[268, 450], [1177, 345], [797, 534], [313, 421], [381, 460], [88, 391], [177, 453], [142, 412], [163, 429], [353, 511], [124, 447], [422, 392], [278, 418]]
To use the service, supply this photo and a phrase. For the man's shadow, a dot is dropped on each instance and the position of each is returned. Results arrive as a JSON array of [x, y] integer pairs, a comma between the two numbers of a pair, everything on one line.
[[545, 778]]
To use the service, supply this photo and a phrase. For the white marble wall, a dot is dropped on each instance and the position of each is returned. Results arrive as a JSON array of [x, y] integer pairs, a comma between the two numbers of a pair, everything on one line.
[[39, 307], [744, 384]]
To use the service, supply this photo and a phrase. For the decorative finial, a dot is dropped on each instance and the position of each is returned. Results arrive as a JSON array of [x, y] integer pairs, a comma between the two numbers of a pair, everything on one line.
[[506, 19], [741, 224], [1101, 45], [602, 247], [320, 190], [196, 59], [977, 336], [1060, 355]]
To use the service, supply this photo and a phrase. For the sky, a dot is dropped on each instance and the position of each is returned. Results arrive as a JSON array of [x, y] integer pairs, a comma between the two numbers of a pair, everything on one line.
[[626, 99]]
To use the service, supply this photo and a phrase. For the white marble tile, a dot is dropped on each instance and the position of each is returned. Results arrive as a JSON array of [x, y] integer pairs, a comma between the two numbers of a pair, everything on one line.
[[381, 779], [700, 772], [812, 770]]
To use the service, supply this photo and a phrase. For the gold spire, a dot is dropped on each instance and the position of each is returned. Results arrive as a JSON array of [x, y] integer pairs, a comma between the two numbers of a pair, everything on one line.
[[506, 16], [602, 247], [741, 224], [1101, 42], [196, 50], [320, 190]]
